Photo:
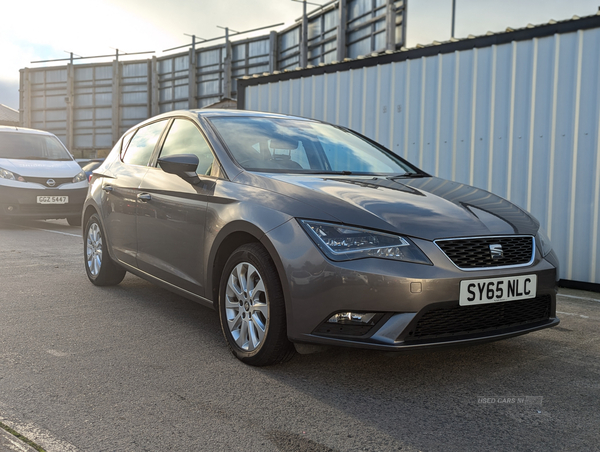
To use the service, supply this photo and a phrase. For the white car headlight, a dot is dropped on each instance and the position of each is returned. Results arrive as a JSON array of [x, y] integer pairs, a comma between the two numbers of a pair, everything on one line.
[[342, 243], [5, 174], [80, 177]]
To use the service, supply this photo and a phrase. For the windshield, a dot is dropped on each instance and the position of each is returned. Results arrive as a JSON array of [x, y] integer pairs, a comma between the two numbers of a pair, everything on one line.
[[296, 146], [32, 147]]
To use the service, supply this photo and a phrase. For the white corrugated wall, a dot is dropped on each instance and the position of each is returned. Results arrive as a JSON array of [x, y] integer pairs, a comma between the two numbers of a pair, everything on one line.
[[519, 119]]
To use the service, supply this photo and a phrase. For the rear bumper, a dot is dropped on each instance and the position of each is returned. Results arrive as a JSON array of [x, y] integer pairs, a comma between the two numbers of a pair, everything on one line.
[[17, 202]]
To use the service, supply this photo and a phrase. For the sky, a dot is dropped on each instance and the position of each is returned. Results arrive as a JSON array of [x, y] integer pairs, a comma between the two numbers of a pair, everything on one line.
[[41, 29]]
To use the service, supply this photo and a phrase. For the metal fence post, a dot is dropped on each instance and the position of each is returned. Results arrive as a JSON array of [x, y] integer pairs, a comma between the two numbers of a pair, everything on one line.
[[404, 16], [69, 101], [341, 29], [154, 106], [116, 100], [304, 37], [25, 99], [272, 51], [192, 86], [227, 69], [390, 26]]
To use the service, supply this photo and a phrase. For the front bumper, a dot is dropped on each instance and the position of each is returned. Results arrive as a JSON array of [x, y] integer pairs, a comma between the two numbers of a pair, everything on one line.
[[418, 303], [21, 202]]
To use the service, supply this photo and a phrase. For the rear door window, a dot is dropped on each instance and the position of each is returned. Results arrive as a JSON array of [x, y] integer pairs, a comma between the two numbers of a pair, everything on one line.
[[143, 143]]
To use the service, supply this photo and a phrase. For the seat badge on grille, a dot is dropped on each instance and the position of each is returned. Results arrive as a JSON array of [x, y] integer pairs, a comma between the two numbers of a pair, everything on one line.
[[496, 251]]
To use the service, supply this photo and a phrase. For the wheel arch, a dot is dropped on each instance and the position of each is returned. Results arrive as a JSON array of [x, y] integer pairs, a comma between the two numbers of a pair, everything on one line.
[[229, 239], [90, 210]]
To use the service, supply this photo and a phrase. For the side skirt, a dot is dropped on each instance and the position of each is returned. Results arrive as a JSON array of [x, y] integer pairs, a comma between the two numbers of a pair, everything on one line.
[[166, 285]]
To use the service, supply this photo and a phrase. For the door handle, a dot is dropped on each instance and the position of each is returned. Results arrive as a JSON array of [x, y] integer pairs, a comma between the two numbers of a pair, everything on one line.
[[108, 188], [144, 197]]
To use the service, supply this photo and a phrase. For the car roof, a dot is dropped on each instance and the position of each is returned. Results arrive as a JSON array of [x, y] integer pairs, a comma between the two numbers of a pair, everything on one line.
[[213, 113], [24, 130], [208, 113]]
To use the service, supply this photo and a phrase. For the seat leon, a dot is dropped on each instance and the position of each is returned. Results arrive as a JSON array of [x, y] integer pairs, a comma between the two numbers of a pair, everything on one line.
[[301, 232]]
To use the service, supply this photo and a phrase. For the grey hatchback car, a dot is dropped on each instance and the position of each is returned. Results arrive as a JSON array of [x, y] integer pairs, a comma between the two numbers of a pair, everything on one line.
[[301, 232]]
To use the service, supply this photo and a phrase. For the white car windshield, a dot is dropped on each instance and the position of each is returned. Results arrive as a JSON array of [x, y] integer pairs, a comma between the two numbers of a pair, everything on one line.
[[296, 146], [32, 147]]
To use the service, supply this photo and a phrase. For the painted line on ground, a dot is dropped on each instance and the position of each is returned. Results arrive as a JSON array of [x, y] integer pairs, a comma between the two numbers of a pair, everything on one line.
[[579, 298], [50, 230], [573, 314]]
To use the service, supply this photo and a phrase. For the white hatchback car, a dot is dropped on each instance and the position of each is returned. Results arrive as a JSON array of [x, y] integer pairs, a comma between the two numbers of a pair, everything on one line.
[[38, 177]]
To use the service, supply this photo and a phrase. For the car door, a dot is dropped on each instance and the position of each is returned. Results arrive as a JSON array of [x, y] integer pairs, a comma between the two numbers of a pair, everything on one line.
[[122, 189], [172, 212]]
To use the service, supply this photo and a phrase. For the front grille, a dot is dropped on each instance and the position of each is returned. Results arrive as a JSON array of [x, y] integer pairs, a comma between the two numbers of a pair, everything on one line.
[[58, 181], [468, 254], [439, 323]]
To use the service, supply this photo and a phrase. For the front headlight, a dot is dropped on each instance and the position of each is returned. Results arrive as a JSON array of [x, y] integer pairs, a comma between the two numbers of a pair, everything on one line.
[[5, 174], [543, 242], [342, 243], [80, 177]]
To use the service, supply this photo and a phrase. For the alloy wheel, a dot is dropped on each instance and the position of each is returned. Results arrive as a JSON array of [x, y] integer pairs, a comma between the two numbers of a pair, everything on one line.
[[246, 306], [94, 249]]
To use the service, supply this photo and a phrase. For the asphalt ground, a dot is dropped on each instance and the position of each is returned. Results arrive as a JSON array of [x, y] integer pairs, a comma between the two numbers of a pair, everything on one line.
[[137, 368]]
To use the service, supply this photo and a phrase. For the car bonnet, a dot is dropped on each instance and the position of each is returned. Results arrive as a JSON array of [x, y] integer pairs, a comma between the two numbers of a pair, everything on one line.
[[41, 168], [429, 207]]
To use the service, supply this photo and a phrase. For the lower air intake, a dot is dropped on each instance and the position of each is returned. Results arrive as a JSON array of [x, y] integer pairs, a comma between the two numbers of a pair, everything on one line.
[[440, 323]]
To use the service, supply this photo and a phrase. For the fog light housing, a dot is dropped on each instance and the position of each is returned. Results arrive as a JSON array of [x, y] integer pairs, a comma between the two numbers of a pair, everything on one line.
[[349, 323], [353, 318]]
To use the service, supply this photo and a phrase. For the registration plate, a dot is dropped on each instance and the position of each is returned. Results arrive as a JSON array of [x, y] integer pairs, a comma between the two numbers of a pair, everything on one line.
[[53, 199], [495, 290]]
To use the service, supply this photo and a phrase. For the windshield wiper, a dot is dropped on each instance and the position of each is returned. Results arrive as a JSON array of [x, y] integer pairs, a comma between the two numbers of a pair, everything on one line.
[[408, 174], [343, 173]]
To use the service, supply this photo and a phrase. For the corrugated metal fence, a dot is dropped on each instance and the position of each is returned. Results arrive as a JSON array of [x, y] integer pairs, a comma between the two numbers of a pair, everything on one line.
[[517, 114]]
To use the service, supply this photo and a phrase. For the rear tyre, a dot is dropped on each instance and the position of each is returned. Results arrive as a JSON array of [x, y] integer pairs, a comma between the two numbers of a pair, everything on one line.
[[74, 221], [252, 308], [100, 268]]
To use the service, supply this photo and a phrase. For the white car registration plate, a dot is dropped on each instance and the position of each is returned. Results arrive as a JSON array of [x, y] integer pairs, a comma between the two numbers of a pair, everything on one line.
[[53, 199], [495, 290]]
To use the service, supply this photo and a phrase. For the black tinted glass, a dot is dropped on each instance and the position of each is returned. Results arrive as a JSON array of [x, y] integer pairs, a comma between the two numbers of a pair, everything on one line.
[[185, 138], [289, 145], [143, 143], [32, 147]]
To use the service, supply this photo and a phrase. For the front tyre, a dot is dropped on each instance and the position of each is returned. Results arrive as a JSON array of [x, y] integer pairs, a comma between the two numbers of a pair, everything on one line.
[[252, 308], [100, 268]]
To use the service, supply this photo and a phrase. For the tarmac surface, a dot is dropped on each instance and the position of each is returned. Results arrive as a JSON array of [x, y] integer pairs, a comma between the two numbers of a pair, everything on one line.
[[137, 368]]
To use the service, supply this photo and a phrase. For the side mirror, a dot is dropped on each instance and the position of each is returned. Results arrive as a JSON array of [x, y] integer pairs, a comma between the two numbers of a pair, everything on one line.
[[182, 165]]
